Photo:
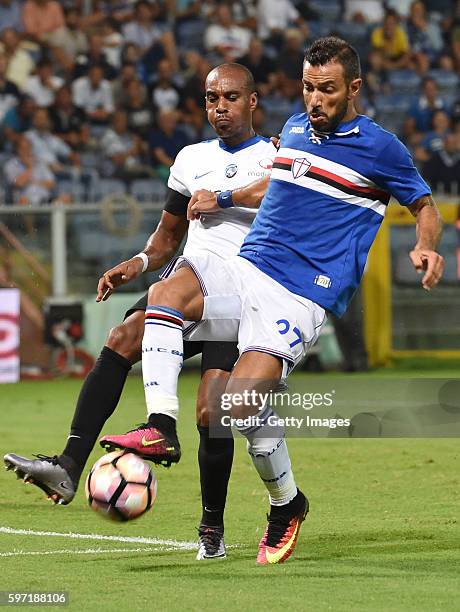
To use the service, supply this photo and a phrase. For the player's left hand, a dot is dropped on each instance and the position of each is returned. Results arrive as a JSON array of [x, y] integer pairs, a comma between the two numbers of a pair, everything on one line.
[[202, 201], [430, 262]]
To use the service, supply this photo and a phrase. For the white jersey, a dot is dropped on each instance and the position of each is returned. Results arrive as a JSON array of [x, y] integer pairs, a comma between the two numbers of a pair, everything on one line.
[[214, 166]]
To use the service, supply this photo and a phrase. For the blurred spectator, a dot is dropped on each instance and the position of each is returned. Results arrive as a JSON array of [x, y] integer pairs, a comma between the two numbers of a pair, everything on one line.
[[95, 56], [132, 54], [290, 60], [9, 93], [43, 85], [424, 36], [93, 94], [434, 140], [262, 67], [18, 119], [140, 116], [259, 119], [421, 112], [20, 63], [193, 94], [166, 141], [364, 11], [68, 121], [124, 149], [154, 41], [70, 41], [120, 10], [10, 15], [189, 24], [402, 7], [392, 39], [224, 39], [50, 149], [112, 41], [454, 35], [244, 13], [442, 170], [165, 95], [375, 76], [274, 17], [29, 178], [127, 74], [42, 19]]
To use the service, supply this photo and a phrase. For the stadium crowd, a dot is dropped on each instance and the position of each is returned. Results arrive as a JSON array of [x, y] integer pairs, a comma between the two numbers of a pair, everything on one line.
[[97, 94]]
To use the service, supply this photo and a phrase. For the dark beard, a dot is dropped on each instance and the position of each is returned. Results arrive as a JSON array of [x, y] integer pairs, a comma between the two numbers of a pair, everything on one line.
[[335, 120]]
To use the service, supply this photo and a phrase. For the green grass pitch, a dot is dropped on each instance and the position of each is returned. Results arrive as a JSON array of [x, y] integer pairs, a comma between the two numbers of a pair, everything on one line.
[[383, 531]]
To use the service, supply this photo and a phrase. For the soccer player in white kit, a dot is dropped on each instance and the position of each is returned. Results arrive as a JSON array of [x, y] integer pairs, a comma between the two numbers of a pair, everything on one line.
[[304, 256]]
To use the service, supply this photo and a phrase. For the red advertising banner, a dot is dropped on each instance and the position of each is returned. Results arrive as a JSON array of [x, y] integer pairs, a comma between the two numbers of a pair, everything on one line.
[[9, 335]]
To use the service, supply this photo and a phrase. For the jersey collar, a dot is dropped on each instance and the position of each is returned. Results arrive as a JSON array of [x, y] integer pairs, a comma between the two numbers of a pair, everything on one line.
[[243, 145]]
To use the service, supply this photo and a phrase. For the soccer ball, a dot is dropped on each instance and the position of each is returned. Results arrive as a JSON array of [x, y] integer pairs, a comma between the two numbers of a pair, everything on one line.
[[121, 486]]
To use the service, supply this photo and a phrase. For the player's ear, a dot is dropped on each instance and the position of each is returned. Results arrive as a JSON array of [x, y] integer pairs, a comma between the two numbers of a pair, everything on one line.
[[353, 88], [253, 100]]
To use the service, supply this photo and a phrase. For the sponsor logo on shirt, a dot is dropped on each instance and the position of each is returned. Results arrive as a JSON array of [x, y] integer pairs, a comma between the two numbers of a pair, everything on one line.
[[231, 170], [323, 281], [297, 129], [300, 167], [266, 163]]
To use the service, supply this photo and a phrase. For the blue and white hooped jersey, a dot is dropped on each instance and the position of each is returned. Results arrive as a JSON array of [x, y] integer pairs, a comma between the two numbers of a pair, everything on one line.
[[326, 199]]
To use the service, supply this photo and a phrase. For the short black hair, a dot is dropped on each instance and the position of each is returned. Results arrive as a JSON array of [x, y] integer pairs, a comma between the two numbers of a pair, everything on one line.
[[332, 48]]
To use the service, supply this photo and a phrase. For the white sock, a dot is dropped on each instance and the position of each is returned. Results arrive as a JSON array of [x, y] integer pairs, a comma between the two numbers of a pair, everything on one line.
[[162, 358], [268, 450]]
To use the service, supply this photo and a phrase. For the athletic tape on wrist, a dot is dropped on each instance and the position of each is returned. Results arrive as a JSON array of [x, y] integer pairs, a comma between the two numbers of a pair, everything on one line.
[[225, 199], [145, 260]]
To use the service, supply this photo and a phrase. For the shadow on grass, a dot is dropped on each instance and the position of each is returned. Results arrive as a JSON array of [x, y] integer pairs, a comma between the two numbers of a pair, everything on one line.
[[385, 554]]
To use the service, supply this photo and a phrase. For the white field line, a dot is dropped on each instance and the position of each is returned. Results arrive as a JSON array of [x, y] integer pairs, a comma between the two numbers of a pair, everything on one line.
[[86, 551], [173, 544]]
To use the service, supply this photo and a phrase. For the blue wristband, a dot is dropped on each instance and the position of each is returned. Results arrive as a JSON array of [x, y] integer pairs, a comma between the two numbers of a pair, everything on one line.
[[224, 199]]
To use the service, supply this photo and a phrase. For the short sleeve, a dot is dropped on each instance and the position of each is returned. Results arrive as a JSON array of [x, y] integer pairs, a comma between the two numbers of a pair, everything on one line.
[[394, 171], [178, 175]]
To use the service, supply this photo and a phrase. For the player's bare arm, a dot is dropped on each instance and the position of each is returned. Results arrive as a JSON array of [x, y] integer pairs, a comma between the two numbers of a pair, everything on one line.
[[428, 229], [249, 196], [160, 248]]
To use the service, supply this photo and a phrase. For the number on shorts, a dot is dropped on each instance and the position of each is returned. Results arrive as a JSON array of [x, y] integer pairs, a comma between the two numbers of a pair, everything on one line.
[[284, 327]]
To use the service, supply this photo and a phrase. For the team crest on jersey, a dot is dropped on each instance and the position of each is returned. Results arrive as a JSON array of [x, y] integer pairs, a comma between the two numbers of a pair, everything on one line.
[[231, 170], [300, 167]]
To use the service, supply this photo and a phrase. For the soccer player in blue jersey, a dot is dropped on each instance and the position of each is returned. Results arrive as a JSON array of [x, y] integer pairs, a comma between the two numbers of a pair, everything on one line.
[[330, 185]]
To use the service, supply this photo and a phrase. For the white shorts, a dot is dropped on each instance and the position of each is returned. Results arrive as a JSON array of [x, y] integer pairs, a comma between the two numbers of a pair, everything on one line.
[[242, 303]]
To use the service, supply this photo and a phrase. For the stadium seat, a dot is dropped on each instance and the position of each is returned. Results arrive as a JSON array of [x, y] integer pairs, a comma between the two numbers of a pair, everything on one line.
[[148, 190], [447, 81], [404, 81], [75, 188], [328, 10], [107, 186], [90, 160]]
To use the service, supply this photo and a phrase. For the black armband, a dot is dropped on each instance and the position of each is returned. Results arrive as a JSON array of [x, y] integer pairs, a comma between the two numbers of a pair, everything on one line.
[[176, 203]]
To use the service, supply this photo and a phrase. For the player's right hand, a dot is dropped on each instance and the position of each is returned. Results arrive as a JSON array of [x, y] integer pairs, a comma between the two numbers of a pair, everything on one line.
[[117, 276], [200, 202]]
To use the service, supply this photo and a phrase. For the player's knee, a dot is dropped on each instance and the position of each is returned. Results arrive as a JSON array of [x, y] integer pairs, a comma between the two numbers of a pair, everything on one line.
[[126, 340], [167, 293]]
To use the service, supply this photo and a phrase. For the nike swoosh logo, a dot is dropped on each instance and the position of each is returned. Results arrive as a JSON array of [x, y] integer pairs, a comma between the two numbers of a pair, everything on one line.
[[198, 176], [275, 557], [64, 485], [145, 442]]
